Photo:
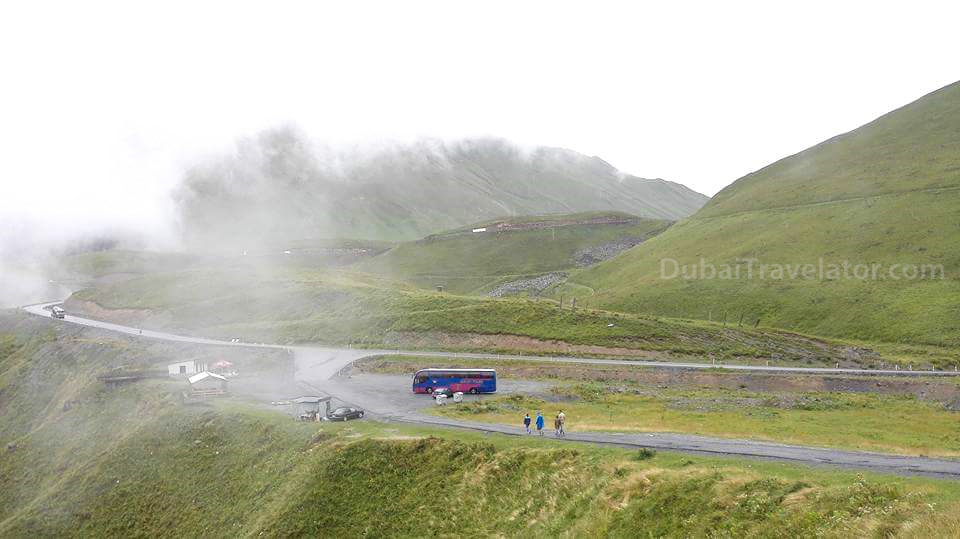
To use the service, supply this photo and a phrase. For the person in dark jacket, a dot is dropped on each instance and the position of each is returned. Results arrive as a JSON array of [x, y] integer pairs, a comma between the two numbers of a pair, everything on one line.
[[526, 422]]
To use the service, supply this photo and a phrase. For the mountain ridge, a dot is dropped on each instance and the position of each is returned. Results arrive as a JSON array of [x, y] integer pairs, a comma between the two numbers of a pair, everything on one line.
[[276, 185]]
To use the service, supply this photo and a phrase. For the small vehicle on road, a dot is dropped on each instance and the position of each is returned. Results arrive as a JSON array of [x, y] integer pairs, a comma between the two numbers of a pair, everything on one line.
[[344, 413], [443, 391], [57, 312]]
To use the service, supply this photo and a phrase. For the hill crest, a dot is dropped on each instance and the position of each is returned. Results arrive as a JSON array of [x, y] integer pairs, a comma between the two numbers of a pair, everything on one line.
[[278, 186]]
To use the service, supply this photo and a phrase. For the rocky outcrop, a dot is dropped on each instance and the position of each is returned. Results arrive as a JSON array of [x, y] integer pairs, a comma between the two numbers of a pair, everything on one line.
[[599, 253], [532, 286]]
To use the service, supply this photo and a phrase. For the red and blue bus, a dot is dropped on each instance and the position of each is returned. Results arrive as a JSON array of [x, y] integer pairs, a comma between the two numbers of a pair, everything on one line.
[[465, 380]]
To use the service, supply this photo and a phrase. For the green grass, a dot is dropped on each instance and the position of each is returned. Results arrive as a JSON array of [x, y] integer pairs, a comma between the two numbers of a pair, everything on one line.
[[101, 263], [245, 474], [137, 462], [882, 423], [289, 306], [885, 194], [304, 253], [775, 408], [558, 219], [466, 262]]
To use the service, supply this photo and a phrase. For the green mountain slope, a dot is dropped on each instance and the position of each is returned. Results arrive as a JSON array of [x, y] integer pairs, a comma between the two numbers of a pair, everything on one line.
[[279, 186], [78, 459], [464, 261], [296, 305], [887, 193]]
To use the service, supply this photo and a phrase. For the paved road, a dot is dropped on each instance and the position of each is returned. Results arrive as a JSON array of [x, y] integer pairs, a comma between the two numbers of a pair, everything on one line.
[[317, 367], [348, 355]]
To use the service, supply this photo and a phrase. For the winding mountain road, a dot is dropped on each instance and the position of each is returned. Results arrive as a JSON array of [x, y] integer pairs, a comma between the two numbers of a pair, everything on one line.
[[317, 367]]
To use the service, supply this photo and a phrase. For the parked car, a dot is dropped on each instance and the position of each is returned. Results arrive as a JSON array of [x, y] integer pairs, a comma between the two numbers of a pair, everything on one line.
[[344, 413], [443, 391]]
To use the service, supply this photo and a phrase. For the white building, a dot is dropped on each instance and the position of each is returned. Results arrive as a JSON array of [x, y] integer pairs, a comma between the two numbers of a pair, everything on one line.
[[185, 368], [207, 384]]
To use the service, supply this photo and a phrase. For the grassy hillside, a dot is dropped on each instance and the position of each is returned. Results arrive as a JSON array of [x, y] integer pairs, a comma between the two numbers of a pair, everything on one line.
[[277, 186], [887, 193], [467, 262], [879, 423], [290, 305], [881, 414], [137, 462], [116, 264]]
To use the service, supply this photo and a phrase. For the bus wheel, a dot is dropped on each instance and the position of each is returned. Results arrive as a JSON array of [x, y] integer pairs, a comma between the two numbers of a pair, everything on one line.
[[429, 390], [474, 391]]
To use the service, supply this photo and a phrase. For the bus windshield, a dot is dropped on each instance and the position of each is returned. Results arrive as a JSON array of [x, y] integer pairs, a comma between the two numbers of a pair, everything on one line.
[[465, 380]]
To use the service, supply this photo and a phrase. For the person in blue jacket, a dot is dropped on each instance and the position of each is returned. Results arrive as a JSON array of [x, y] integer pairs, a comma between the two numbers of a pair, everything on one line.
[[539, 423]]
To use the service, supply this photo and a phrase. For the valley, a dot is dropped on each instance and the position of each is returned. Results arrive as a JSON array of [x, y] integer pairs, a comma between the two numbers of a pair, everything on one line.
[[338, 340]]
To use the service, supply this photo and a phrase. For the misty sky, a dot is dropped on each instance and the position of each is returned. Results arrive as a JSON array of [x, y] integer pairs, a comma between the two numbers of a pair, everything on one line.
[[103, 104]]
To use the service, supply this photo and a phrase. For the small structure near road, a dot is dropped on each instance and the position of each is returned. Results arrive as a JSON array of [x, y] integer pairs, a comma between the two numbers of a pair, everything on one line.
[[186, 368], [225, 368], [207, 384], [307, 408]]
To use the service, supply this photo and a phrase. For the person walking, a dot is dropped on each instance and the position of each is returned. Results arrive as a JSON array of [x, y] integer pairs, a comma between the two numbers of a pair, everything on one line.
[[556, 425], [562, 422], [539, 423], [526, 422]]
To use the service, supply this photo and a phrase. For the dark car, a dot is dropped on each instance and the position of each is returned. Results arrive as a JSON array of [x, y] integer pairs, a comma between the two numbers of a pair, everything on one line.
[[345, 413], [443, 391]]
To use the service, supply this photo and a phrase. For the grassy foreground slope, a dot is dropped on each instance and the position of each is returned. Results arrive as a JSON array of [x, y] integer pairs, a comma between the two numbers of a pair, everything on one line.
[[467, 262], [887, 193], [135, 461], [286, 305]]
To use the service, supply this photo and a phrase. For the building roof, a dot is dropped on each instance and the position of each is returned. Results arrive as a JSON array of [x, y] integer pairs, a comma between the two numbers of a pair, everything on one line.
[[188, 362], [310, 400], [204, 375]]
